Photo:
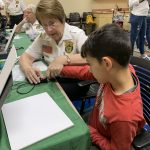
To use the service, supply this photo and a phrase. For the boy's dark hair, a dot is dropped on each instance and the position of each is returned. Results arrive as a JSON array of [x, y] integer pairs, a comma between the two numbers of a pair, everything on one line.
[[110, 40]]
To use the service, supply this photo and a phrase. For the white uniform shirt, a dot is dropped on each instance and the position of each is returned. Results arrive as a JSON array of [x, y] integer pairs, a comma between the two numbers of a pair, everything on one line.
[[15, 7], [139, 9], [71, 42], [1, 4], [32, 30]]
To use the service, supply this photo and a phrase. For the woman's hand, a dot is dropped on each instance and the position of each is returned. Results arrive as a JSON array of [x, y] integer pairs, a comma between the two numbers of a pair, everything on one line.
[[55, 67], [54, 70], [33, 75]]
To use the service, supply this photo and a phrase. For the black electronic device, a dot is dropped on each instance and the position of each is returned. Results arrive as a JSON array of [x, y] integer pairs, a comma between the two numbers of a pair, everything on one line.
[[43, 80]]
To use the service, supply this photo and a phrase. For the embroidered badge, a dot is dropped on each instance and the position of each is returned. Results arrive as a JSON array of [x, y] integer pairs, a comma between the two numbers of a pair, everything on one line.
[[47, 49], [17, 2], [68, 46]]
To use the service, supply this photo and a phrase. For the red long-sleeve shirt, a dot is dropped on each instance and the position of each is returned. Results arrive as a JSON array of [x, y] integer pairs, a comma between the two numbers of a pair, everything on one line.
[[115, 119]]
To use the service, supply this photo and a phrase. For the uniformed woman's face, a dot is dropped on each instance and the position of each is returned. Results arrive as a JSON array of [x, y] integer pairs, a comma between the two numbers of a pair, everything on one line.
[[29, 15], [53, 27]]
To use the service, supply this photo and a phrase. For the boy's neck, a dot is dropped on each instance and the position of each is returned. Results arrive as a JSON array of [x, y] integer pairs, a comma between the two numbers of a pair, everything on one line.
[[121, 81]]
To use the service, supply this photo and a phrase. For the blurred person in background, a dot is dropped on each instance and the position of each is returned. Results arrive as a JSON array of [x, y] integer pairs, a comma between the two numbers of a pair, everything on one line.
[[29, 24], [14, 10], [148, 30], [139, 11]]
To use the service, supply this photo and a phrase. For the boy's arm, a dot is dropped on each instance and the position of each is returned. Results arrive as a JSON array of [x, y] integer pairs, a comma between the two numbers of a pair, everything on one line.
[[79, 72], [98, 139], [122, 135]]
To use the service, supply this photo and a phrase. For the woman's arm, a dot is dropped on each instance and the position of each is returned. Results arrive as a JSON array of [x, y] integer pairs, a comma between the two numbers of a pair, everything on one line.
[[32, 74], [19, 26]]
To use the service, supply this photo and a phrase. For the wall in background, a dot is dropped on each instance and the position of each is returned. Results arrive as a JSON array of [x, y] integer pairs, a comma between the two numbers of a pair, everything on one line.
[[109, 4], [87, 5]]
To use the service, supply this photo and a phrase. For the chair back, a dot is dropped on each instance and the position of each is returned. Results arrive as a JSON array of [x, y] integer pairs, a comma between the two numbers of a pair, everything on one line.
[[85, 14], [142, 68], [75, 19]]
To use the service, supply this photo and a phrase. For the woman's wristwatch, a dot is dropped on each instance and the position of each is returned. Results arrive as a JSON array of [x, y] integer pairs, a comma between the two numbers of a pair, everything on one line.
[[68, 58]]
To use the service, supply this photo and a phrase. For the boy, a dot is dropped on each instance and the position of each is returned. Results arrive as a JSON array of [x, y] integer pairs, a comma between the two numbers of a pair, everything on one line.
[[117, 115]]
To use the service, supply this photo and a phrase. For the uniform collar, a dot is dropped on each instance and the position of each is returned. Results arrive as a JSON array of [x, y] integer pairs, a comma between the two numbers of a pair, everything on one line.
[[66, 34]]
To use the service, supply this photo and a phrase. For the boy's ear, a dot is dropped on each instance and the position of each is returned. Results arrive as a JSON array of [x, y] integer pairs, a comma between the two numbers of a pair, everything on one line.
[[107, 62]]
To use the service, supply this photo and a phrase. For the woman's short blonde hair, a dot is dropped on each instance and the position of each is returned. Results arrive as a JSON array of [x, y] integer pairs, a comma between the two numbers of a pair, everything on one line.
[[31, 7], [51, 9]]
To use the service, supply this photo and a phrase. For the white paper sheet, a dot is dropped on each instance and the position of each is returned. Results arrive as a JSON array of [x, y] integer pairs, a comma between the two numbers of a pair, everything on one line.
[[32, 119], [18, 75]]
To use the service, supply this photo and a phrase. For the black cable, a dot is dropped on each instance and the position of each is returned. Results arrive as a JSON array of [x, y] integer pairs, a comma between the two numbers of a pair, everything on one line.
[[18, 87]]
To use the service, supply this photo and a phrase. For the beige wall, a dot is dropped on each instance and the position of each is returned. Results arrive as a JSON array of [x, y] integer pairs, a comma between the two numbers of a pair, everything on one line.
[[109, 4], [87, 5]]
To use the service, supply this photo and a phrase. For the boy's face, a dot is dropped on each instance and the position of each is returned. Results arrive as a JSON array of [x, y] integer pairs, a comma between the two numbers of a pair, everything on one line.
[[53, 28], [98, 69]]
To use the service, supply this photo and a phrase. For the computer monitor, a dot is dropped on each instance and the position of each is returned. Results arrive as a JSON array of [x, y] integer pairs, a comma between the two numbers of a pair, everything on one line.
[[6, 75], [4, 53]]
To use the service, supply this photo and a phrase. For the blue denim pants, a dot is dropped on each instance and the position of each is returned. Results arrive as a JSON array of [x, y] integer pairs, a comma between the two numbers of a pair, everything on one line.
[[148, 31], [138, 31]]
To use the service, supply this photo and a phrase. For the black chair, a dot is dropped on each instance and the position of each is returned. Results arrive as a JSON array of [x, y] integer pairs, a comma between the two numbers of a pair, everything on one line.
[[88, 28], [75, 19], [90, 93], [142, 68], [78, 90]]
